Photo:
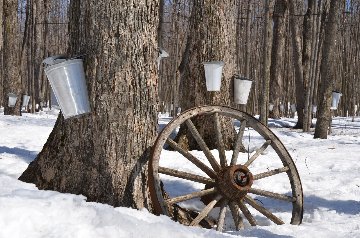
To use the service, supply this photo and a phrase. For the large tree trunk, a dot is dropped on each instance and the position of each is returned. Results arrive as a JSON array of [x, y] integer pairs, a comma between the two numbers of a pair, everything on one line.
[[327, 70], [103, 155], [277, 56], [212, 38], [11, 80]]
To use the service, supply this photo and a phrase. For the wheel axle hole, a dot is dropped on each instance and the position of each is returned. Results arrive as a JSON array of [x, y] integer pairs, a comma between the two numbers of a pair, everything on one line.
[[241, 178]]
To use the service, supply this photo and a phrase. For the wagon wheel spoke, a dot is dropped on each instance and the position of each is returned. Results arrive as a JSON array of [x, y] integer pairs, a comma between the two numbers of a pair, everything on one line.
[[238, 220], [257, 153], [221, 218], [238, 143], [220, 140], [187, 176], [205, 211], [214, 164], [271, 173], [247, 213], [263, 210], [231, 185], [191, 196], [272, 195], [191, 158]]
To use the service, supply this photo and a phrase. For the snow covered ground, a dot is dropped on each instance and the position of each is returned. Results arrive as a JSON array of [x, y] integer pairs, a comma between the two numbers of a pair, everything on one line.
[[329, 171]]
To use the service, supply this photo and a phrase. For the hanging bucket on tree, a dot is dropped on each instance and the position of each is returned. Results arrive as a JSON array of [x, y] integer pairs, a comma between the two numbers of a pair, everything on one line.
[[67, 80], [335, 100], [242, 88], [293, 108], [213, 73], [282, 108], [314, 109], [26, 99], [12, 99], [271, 107]]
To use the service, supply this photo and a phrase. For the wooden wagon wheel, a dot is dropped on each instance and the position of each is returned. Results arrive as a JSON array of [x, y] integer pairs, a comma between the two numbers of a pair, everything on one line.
[[230, 187]]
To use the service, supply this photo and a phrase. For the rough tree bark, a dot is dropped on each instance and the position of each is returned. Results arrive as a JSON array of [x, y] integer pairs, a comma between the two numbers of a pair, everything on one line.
[[297, 60], [265, 66], [103, 155], [212, 37], [11, 76], [327, 70], [308, 26], [277, 56], [1, 54], [39, 9]]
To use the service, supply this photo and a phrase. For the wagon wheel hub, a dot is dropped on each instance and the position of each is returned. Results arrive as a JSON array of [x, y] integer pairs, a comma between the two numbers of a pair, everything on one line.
[[228, 187], [235, 181]]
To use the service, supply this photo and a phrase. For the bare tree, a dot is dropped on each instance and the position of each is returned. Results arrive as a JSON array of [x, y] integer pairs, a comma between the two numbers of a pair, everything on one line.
[[11, 76], [265, 65], [1, 54], [308, 24], [277, 56], [103, 155], [297, 61], [212, 38], [327, 70]]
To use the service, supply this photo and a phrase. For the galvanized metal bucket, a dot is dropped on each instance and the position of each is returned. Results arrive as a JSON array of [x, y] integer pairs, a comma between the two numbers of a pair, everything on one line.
[[213, 73], [242, 88], [12, 99], [314, 109], [293, 108], [271, 107], [26, 99], [67, 79], [335, 100]]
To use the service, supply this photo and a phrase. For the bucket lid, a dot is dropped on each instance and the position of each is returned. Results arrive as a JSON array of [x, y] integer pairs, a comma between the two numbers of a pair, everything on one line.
[[54, 60], [236, 76], [220, 63], [13, 95]]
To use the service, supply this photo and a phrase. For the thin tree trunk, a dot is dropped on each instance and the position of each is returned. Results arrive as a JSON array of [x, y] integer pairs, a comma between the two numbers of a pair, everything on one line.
[[1, 55], [265, 67], [309, 20], [277, 56], [247, 40], [297, 59], [12, 80], [327, 70]]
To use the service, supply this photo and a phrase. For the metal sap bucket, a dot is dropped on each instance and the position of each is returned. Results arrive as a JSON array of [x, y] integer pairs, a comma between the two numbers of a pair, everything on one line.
[[26, 99], [335, 100], [67, 80], [12, 99], [242, 88], [213, 73], [293, 108], [314, 109], [271, 107]]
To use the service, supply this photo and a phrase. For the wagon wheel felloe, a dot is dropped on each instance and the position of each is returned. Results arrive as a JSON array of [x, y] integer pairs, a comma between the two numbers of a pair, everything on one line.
[[229, 185]]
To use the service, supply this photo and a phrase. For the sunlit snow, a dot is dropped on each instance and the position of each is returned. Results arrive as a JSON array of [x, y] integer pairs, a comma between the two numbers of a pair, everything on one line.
[[329, 171]]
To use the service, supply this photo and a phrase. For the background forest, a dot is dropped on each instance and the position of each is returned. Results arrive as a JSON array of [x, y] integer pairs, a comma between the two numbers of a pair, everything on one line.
[[269, 52]]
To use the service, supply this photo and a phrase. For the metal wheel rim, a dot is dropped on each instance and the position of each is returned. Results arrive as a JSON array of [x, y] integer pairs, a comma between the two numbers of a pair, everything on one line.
[[159, 203]]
